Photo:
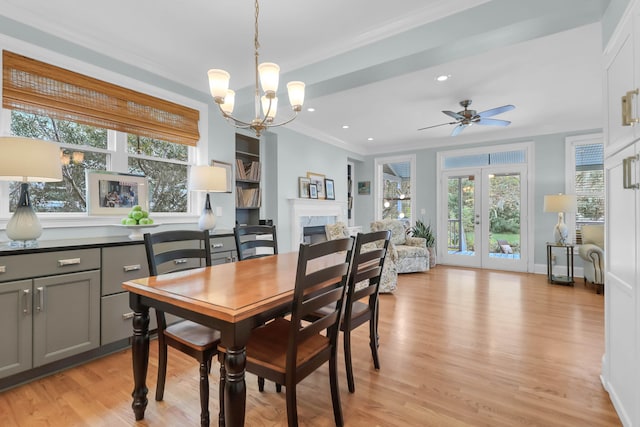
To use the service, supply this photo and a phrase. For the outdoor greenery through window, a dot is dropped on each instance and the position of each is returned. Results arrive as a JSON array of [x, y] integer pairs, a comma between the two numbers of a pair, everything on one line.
[[84, 147], [589, 184], [397, 191]]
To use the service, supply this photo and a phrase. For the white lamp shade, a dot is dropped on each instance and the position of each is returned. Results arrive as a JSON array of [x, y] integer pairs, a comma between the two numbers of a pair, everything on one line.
[[272, 109], [218, 83], [296, 94], [560, 203], [269, 76], [29, 160], [229, 102], [211, 179]]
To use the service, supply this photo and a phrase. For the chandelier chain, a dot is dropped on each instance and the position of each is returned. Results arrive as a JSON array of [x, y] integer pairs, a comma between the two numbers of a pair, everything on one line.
[[256, 44]]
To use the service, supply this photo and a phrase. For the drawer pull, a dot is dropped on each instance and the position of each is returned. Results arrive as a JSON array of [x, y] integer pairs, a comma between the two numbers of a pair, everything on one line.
[[127, 316], [3, 268], [69, 261], [134, 267], [180, 261], [218, 245]]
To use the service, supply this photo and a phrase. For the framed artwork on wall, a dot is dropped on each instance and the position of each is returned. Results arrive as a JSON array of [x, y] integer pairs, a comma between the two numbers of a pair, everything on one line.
[[112, 193], [303, 187], [318, 180], [313, 191], [329, 191], [364, 187]]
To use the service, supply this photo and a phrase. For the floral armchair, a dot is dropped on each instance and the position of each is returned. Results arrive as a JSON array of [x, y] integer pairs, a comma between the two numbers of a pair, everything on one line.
[[411, 252], [389, 277], [592, 252]]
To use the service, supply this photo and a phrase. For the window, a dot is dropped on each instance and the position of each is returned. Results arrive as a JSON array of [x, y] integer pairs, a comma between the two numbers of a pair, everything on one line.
[[395, 183], [585, 179], [99, 126]]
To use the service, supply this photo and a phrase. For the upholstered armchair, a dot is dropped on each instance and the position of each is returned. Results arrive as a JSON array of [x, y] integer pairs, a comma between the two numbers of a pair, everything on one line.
[[389, 277], [592, 252], [411, 252]]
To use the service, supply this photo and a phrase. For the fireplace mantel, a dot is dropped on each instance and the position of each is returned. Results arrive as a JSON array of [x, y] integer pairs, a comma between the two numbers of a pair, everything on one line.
[[302, 208]]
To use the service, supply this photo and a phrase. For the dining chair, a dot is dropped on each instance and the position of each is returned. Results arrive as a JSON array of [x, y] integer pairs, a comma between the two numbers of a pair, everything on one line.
[[171, 251], [369, 253], [249, 238], [286, 351]]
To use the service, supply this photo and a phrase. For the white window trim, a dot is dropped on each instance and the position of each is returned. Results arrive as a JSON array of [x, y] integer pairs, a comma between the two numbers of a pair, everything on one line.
[[411, 158], [81, 219], [571, 142]]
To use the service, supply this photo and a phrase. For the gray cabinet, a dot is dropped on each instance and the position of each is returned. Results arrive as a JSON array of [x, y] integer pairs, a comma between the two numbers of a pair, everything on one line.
[[223, 249], [53, 312]]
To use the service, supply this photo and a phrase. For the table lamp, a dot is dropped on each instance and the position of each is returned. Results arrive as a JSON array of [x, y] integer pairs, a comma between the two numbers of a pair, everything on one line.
[[27, 160], [211, 179], [560, 203]]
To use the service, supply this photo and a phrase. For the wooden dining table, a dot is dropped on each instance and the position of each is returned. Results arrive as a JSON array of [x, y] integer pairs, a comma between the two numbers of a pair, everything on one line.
[[233, 298]]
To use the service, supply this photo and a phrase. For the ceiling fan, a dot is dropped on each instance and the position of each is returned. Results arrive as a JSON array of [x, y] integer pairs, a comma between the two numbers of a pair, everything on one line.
[[468, 117]]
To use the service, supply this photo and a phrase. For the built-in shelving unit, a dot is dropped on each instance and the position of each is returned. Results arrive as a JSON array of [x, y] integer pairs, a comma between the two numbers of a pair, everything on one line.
[[248, 173]]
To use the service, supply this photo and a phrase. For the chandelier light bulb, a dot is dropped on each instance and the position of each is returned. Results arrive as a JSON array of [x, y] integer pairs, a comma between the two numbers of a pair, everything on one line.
[[296, 94], [269, 77], [228, 102], [218, 84], [269, 107]]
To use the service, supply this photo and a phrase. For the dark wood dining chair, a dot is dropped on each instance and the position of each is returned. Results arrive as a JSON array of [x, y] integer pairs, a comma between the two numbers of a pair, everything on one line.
[[171, 251], [252, 237], [369, 253], [287, 351]]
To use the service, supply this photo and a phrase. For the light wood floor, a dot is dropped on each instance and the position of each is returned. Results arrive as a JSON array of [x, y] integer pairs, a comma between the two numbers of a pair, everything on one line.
[[459, 347]]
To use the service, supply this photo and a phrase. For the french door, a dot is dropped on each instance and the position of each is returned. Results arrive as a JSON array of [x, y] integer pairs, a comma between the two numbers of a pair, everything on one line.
[[483, 217]]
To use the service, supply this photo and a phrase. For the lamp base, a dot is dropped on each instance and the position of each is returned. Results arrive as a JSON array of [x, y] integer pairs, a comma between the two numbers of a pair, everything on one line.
[[24, 226], [207, 220], [561, 232]]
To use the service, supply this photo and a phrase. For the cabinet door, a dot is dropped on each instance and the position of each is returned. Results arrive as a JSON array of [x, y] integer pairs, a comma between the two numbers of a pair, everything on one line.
[[66, 316], [620, 367], [15, 327], [619, 79]]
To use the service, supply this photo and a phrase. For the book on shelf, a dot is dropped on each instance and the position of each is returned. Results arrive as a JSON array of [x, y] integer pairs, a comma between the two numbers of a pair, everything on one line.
[[248, 197], [248, 171]]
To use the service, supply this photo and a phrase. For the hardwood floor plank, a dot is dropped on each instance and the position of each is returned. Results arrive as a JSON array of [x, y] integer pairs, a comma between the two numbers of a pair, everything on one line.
[[458, 347]]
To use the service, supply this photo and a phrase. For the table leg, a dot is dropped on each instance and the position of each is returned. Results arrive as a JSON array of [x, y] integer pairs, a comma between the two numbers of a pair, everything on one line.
[[140, 354], [235, 389]]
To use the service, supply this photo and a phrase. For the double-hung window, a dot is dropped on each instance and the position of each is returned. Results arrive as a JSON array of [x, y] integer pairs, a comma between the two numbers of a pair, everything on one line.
[[98, 126], [585, 179]]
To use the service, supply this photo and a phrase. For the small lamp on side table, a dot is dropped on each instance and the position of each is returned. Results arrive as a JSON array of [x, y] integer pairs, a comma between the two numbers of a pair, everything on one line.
[[560, 203], [211, 179], [27, 160]]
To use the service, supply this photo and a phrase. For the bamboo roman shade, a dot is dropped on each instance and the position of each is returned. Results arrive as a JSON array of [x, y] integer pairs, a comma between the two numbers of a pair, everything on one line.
[[36, 87]]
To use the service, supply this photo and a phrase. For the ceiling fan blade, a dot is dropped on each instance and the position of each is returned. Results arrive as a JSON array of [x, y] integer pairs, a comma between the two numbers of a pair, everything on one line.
[[492, 122], [458, 129], [435, 126], [454, 115], [495, 111]]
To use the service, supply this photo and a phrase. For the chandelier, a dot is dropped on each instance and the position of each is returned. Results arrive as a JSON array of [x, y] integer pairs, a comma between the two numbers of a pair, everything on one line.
[[267, 74]]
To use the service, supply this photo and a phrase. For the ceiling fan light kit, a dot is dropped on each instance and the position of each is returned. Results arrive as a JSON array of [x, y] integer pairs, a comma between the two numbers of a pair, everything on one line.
[[468, 117]]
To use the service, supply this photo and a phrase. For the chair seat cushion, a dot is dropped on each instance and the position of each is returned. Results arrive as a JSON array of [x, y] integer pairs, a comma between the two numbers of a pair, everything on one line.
[[193, 334], [405, 251], [268, 345]]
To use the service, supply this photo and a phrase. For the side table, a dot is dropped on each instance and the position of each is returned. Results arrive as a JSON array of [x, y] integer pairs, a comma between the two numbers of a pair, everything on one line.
[[561, 280]]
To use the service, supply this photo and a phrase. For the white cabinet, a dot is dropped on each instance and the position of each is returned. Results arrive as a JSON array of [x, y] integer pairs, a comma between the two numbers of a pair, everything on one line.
[[621, 362]]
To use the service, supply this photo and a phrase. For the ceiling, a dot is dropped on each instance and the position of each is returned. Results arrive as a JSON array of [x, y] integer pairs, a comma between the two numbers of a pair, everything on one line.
[[372, 68]]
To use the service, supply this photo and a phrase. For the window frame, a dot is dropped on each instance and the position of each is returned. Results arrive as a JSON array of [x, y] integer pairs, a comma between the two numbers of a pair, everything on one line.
[[118, 158], [571, 143]]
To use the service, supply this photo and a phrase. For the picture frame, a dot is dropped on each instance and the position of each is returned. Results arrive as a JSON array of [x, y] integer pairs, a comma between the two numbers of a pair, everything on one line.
[[330, 193], [113, 193], [318, 180], [364, 187], [229, 170], [303, 187], [313, 191]]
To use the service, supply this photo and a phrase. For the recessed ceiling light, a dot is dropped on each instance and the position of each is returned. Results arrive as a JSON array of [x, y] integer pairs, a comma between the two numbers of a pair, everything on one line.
[[345, 126], [443, 77], [369, 139], [311, 109]]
